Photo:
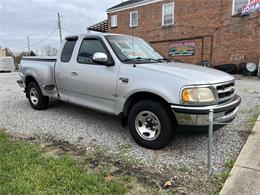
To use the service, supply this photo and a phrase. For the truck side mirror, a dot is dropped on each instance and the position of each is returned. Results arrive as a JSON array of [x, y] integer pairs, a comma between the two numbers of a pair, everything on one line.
[[100, 57]]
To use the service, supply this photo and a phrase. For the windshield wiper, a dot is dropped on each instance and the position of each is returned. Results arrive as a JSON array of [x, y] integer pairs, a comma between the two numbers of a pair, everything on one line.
[[138, 59], [159, 60], [134, 59], [164, 59]]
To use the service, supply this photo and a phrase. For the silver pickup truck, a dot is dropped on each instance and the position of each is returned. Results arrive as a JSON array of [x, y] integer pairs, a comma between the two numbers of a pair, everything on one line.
[[124, 76]]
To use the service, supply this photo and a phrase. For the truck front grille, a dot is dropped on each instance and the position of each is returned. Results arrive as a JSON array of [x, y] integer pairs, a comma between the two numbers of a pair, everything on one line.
[[226, 91]]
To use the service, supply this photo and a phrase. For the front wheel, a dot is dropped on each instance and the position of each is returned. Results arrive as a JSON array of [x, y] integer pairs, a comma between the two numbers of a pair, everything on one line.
[[36, 99], [151, 124]]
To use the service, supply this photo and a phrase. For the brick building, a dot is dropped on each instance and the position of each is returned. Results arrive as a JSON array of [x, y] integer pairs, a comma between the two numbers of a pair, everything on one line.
[[192, 30]]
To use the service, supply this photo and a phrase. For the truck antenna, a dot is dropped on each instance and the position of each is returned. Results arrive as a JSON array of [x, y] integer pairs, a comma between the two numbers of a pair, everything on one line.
[[133, 45]]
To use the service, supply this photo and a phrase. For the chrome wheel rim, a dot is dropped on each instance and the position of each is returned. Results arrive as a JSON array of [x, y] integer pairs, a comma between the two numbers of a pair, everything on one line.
[[148, 125], [34, 97]]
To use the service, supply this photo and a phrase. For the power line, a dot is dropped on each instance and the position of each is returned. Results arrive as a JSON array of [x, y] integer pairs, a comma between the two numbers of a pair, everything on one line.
[[66, 30], [39, 42], [46, 38]]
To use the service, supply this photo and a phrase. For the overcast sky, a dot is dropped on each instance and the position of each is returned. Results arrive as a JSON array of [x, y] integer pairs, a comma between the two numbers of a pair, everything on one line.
[[38, 19]]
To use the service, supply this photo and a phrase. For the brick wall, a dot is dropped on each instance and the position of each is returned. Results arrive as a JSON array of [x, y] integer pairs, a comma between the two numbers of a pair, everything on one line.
[[219, 37]]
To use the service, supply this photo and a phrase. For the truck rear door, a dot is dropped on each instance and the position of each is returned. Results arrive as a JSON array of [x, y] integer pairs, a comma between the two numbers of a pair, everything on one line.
[[63, 69], [92, 84]]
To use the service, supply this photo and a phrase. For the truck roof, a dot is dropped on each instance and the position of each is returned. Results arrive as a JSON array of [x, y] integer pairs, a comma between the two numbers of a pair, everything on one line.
[[94, 34]]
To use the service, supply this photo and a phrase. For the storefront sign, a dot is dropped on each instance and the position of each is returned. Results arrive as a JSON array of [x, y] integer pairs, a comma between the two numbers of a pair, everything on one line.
[[251, 7], [182, 48]]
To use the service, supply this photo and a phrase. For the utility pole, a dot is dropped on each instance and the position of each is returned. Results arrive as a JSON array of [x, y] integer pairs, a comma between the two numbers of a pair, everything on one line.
[[59, 26], [29, 47]]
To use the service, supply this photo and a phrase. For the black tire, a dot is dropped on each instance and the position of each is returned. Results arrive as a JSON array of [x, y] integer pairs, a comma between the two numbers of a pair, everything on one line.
[[42, 101], [166, 119]]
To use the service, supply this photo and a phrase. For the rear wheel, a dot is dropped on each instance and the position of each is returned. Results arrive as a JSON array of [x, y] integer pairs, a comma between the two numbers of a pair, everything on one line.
[[36, 99], [151, 124]]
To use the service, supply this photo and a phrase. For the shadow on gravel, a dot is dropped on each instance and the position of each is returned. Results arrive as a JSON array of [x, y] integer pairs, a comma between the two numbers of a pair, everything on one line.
[[191, 133]]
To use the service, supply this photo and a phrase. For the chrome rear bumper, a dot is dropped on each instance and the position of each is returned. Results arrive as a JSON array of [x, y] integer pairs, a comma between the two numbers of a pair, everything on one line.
[[198, 116]]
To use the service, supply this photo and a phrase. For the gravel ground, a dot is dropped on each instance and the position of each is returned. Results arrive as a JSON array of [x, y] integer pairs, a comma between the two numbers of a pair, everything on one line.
[[65, 122]]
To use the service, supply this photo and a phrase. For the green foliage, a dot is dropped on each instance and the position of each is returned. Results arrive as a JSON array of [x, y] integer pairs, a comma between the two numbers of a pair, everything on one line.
[[220, 179], [25, 170], [229, 164], [185, 169]]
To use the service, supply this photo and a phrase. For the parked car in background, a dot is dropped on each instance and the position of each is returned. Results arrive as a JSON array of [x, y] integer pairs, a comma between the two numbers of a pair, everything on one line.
[[123, 75], [7, 64]]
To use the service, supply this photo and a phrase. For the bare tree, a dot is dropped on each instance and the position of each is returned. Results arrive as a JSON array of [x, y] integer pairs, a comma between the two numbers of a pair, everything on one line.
[[49, 51], [18, 56]]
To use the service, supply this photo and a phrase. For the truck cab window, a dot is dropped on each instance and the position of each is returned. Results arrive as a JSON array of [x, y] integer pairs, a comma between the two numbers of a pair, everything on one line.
[[87, 50], [67, 50]]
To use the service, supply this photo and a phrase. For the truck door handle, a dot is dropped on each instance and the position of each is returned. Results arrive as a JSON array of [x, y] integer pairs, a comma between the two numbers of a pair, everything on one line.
[[124, 80], [74, 74]]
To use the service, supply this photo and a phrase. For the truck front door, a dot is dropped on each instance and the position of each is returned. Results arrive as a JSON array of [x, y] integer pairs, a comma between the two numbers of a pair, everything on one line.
[[92, 84]]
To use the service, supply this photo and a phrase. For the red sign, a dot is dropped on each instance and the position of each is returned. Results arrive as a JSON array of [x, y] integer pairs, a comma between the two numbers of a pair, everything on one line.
[[251, 7]]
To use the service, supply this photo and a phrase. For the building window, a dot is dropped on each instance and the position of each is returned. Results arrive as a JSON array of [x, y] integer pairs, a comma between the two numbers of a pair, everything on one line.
[[238, 5], [114, 21], [134, 19], [168, 14]]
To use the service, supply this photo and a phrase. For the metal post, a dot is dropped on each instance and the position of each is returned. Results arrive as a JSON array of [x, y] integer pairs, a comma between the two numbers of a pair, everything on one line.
[[59, 27], [210, 141], [258, 72], [28, 42]]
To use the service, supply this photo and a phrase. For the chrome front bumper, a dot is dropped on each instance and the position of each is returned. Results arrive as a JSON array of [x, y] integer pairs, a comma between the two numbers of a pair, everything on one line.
[[198, 116]]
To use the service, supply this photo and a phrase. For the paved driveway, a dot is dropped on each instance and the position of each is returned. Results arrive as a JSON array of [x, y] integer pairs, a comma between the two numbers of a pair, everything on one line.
[[88, 128]]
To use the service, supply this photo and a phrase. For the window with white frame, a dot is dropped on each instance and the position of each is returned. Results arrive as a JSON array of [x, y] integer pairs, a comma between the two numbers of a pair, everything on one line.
[[238, 5], [168, 14], [134, 19], [114, 21]]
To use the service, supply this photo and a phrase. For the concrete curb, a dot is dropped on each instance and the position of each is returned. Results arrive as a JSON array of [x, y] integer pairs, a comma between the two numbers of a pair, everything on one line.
[[245, 175]]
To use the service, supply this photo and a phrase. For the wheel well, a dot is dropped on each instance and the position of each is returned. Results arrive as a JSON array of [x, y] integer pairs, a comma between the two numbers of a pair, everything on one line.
[[144, 96], [28, 80]]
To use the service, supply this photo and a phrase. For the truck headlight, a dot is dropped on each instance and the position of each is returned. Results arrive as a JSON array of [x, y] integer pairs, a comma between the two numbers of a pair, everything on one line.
[[197, 95]]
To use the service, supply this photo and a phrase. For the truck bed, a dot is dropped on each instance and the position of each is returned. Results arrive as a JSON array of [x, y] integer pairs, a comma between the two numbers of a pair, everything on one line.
[[42, 69]]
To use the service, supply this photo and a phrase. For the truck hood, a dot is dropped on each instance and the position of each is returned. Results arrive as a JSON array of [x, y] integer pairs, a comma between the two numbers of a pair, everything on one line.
[[193, 73]]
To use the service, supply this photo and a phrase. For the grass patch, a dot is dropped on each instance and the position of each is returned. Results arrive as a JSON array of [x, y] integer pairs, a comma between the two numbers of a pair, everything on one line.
[[220, 179], [24, 169], [185, 169], [58, 168], [124, 148], [252, 120]]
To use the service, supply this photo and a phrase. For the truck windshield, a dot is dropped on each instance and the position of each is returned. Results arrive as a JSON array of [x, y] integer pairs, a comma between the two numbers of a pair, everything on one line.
[[133, 49]]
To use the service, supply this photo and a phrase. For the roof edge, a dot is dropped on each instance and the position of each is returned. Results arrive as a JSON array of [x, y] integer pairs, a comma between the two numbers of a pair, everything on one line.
[[133, 5]]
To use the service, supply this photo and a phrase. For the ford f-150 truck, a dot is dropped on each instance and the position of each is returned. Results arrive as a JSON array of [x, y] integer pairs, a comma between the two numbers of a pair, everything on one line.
[[123, 75]]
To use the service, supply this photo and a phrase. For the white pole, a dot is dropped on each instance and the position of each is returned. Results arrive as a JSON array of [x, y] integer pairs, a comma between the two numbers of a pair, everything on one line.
[[59, 26], [29, 47]]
